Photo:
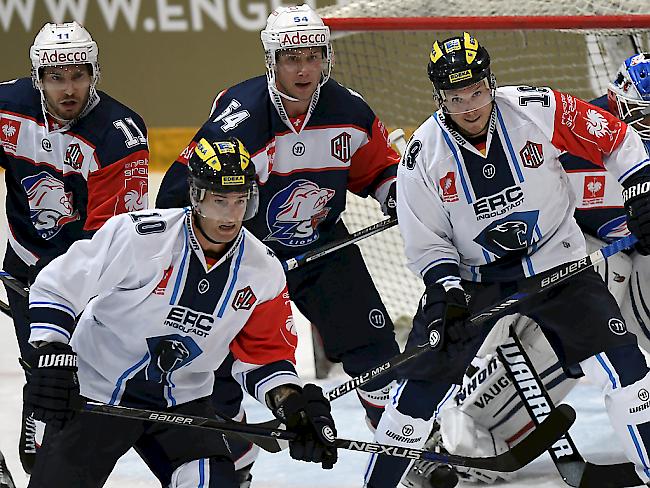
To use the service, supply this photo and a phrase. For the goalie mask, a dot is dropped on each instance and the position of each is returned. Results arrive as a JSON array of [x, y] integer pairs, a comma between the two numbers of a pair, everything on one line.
[[222, 181], [61, 46], [629, 93], [295, 28], [456, 63]]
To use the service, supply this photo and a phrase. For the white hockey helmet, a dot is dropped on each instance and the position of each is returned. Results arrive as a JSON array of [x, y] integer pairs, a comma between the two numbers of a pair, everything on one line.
[[629, 93], [60, 45], [291, 28]]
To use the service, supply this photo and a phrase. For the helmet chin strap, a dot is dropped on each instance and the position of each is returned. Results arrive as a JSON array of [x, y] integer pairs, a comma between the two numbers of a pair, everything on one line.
[[275, 89], [92, 95]]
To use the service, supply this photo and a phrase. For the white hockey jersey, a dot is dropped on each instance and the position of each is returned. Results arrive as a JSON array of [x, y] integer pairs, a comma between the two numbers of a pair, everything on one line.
[[507, 214], [156, 321]]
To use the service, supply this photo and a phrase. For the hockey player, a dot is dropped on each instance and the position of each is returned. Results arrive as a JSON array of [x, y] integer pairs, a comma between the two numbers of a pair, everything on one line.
[[166, 295], [483, 419], [73, 157], [489, 158], [312, 140]]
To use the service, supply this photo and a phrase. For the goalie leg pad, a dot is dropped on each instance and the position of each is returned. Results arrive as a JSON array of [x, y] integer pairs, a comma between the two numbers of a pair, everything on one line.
[[208, 472], [622, 375]]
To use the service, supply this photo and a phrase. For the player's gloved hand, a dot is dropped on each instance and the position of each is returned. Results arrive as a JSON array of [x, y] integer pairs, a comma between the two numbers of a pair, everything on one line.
[[389, 206], [52, 389], [308, 414], [636, 197], [444, 314]]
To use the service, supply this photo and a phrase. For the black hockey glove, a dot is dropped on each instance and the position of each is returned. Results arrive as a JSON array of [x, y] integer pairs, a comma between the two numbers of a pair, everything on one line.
[[307, 413], [444, 314], [636, 195], [52, 389], [389, 206]]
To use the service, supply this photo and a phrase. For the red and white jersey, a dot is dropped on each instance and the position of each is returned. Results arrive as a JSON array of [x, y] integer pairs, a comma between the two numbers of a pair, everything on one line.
[[508, 213], [64, 182], [156, 320]]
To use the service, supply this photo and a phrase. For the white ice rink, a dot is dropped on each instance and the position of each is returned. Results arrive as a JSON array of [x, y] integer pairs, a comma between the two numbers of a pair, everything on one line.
[[592, 433]]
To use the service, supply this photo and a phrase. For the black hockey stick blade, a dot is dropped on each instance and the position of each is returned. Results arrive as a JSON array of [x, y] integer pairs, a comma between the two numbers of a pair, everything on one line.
[[535, 444], [309, 256], [618, 475], [556, 424]]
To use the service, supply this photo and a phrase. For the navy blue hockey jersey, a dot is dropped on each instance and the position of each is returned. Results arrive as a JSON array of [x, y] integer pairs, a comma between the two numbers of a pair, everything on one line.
[[304, 166], [63, 183]]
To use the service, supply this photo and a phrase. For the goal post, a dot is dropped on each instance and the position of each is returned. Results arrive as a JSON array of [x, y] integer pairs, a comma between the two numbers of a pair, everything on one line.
[[381, 50]]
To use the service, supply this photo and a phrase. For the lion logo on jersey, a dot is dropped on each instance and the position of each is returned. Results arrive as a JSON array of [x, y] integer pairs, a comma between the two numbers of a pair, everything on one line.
[[512, 233], [295, 212], [50, 206]]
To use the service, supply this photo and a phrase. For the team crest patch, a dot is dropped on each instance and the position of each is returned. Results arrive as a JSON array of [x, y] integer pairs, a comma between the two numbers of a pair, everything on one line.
[[295, 212], [244, 299], [593, 190], [9, 130], [340, 147], [74, 156], [50, 206], [532, 155], [512, 233], [448, 187]]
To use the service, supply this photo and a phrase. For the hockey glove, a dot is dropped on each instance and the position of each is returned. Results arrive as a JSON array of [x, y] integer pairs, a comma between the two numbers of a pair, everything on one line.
[[52, 389], [444, 314], [389, 206], [636, 195], [307, 414]]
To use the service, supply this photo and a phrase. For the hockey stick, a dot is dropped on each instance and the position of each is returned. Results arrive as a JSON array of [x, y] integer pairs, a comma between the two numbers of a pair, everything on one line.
[[527, 288], [575, 471], [396, 137], [556, 424], [14, 284], [309, 256]]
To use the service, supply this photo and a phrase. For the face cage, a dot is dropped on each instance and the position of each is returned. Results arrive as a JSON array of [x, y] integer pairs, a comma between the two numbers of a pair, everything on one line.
[[490, 82], [270, 62], [197, 196], [629, 108]]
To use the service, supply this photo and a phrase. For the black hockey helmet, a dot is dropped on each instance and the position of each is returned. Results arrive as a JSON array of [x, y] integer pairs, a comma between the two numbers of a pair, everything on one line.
[[218, 167], [458, 62]]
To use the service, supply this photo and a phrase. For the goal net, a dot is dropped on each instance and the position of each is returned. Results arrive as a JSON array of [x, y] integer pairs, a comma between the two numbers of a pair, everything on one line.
[[381, 49]]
